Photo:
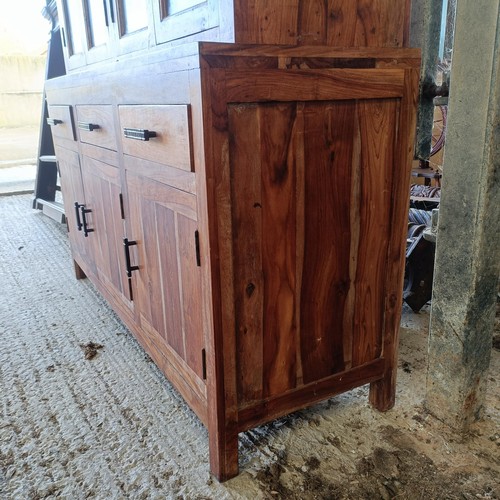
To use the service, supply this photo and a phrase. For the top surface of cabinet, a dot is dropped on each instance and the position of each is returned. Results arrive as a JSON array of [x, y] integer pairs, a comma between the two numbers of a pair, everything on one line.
[[97, 30]]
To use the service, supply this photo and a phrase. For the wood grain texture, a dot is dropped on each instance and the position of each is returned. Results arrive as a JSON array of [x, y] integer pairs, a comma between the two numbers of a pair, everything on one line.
[[167, 285], [105, 135], [172, 144], [378, 123], [382, 392], [329, 128], [72, 187], [223, 408], [340, 23], [303, 85], [102, 196]]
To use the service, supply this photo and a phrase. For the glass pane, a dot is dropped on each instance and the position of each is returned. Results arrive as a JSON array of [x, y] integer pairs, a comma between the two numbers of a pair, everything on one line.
[[97, 20], [134, 15], [174, 6], [75, 26]]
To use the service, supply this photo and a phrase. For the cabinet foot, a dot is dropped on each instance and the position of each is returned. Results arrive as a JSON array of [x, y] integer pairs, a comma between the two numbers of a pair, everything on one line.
[[79, 274], [224, 458], [383, 392]]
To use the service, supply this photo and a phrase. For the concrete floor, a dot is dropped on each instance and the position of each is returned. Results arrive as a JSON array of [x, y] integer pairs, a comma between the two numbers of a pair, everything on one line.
[[113, 427]]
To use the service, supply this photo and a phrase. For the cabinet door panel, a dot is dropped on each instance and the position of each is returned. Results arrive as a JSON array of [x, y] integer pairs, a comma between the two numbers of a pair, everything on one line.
[[177, 18], [167, 286], [102, 188], [310, 228], [73, 192]]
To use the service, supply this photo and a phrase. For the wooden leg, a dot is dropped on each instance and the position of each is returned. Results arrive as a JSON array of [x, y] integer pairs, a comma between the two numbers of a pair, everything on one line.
[[224, 455], [79, 274], [383, 391]]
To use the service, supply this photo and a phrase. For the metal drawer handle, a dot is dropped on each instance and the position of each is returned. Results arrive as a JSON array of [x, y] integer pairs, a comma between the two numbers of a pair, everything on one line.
[[89, 127], [54, 121], [139, 134], [126, 245], [77, 216], [86, 229]]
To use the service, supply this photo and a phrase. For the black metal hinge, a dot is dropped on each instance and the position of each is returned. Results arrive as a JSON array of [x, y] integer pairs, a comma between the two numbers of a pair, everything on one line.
[[204, 363], [197, 245], [122, 211]]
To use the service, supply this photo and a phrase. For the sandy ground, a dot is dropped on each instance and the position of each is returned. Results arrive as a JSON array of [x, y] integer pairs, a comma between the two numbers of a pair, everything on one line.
[[109, 425]]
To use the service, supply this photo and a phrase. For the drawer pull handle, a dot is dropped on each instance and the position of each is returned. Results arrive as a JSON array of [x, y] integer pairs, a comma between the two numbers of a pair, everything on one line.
[[53, 121], [89, 127], [139, 134], [126, 245], [86, 229], [77, 216]]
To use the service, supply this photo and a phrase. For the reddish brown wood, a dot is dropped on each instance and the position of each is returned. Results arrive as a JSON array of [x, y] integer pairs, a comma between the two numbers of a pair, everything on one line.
[[382, 392], [282, 404], [294, 164]]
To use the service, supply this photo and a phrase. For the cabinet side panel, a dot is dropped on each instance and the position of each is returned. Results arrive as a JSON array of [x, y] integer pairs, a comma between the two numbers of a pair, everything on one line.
[[326, 322], [377, 123], [247, 236]]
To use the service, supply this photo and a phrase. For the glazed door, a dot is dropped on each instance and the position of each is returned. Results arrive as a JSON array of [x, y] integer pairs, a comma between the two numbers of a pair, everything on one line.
[[105, 225], [167, 283]]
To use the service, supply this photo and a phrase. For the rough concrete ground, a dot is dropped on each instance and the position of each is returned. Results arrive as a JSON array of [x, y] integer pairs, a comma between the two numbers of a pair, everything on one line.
[[112, 427]]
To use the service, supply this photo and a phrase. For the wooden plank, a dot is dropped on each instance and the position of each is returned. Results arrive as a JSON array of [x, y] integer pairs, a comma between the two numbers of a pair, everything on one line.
[[223, 399], [277, 130], [382, 393], [312, 22], [174, 177], [261, 21], [170, 123], [165, 248], [307, 395], [191, 389], [244, 139], [329, 130], [312, 85], [191, 294], [102, 116], [377, 121], [253, 50]]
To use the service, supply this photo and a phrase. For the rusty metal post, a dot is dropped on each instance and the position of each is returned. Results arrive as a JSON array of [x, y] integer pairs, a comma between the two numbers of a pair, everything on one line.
[[431, 14]]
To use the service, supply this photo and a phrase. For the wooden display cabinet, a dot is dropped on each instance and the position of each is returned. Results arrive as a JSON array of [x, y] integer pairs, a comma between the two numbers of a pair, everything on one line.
[[243, 206]]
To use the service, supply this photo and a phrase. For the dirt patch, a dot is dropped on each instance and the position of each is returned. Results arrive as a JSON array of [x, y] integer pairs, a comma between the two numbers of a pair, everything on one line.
[[91, 349]]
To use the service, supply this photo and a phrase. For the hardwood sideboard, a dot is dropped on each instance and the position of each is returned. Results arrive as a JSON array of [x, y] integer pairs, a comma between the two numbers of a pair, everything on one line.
[[242, 206]]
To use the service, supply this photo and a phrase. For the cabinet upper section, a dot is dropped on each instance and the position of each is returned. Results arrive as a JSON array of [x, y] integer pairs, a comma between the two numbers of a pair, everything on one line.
[[97, 30]]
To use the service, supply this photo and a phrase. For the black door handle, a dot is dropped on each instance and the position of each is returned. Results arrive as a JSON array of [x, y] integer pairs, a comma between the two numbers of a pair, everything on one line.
[[126, 245], [86, 229], [77, 216]]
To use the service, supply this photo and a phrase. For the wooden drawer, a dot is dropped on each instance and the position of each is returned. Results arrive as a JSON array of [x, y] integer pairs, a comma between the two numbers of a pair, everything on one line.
[[158, 133], [96, 125], [61, 122]]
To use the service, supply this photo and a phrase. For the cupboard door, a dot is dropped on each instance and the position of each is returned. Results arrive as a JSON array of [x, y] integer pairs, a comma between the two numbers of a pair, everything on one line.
[[180, 18], [97, 28], [167, 285], [105, 223], [74, 198], [132, 25], [74, 36]]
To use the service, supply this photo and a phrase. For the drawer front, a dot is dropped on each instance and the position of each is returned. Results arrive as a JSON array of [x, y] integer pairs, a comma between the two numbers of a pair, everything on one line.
[[96, 126], [61, 122], [158, 133]]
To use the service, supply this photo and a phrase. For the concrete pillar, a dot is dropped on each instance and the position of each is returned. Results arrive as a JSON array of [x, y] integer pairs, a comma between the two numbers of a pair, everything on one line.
[[467, 265]]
